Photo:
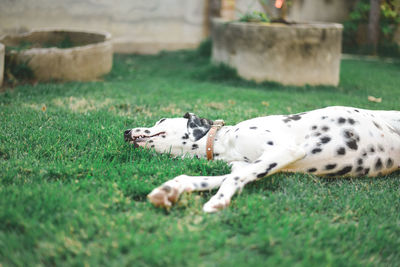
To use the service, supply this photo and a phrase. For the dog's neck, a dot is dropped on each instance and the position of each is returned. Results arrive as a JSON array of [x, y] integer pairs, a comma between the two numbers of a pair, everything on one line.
[[219, 147]]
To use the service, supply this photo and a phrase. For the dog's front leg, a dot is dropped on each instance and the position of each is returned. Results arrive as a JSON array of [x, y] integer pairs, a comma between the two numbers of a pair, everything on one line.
[[271, 161], [168, 193]]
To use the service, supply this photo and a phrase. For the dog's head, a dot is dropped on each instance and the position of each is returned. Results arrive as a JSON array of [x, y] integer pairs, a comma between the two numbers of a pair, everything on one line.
[[177, 135]]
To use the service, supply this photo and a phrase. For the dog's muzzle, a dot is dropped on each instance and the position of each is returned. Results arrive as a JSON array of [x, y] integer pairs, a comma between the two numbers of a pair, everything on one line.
[[139, 140]]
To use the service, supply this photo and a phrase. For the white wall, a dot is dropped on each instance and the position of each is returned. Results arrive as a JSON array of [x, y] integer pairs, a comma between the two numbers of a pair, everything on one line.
[[136, 25], [321, 10]]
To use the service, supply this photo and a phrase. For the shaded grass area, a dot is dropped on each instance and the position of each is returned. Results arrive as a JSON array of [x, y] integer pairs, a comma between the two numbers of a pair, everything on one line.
[[73, 193]]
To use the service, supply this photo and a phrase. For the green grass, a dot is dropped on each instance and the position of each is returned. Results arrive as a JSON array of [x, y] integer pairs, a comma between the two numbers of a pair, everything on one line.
[[73, 193]]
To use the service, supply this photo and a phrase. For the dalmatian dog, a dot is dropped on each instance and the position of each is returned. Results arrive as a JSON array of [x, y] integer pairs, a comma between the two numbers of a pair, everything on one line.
[[332, 142]]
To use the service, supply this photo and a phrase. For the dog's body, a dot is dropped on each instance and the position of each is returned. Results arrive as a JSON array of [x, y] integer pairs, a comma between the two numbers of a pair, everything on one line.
[[334, 141]]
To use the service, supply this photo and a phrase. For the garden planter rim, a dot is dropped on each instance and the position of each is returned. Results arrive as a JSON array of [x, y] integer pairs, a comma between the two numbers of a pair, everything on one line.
[[38, 50], [297, 25]]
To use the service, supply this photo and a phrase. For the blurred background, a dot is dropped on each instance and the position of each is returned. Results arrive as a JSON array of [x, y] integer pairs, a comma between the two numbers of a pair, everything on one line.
[[149, 26]]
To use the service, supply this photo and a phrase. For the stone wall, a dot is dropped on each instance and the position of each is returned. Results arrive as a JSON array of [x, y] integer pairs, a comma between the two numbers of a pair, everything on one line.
[[136, 25]]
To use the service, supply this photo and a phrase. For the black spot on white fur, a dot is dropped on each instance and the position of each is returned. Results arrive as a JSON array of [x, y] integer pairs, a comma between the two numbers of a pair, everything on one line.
[[295, 117], [316, 150], [364, 153], [325, 139], [341, 151], [325, 128], [351, 139], [377, 125], [270, 167], [371, 149], [330, 166], [352, 144], [389, 163], [343, 171], [378, 164]]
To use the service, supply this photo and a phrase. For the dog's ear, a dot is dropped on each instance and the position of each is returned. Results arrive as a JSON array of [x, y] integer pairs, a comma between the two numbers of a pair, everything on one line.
[[197, 127]]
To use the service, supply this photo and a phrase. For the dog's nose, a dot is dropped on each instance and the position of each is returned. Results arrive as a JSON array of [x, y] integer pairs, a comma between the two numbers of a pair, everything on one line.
[[127, 134]]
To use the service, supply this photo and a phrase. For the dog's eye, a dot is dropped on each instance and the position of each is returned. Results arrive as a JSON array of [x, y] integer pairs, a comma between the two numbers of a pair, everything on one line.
[[160, 121]]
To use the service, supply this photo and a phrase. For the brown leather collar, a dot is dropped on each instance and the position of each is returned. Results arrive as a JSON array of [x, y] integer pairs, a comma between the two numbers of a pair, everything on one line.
[[210, 138]]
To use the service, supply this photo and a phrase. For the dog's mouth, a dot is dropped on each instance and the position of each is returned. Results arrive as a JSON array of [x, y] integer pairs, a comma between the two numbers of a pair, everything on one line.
[[141, 140]]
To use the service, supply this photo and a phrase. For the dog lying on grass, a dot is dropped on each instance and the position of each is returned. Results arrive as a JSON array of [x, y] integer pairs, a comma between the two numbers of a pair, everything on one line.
[[333, 142]]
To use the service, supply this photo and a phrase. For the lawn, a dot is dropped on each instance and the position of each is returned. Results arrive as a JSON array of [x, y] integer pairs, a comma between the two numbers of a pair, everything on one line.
[[72, 192]]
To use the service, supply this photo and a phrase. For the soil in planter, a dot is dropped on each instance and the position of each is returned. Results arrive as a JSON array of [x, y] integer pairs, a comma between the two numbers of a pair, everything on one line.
[[260, 17], [24, 45]]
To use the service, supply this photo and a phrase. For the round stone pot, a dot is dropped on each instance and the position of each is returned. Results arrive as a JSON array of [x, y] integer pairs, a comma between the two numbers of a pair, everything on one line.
[[61, 55], [290, 54], [2, 51]]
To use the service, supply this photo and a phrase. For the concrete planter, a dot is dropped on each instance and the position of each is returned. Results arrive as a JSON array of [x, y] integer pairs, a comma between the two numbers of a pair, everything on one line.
[[88, 57], [297, 54], [2, 51]]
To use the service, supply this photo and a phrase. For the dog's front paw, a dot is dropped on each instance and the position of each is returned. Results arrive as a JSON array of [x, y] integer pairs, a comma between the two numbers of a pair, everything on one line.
[[216, 204], [164, 196]]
